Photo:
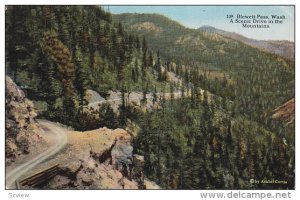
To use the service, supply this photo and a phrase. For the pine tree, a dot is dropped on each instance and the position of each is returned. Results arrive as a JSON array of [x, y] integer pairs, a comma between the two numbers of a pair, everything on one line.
[[150, 59], [145, 59], [61, 56], [107, 116], [137, 43], [172, 94], [144, 64], [144, 45], [165, 75], [145, 91], [154, 100], [17, 38], [80, 76], [158, 64], [123, 109]]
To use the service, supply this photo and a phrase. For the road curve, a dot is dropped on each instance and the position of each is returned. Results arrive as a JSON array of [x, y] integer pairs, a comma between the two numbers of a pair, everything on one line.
[[61, 140], [118, 100]]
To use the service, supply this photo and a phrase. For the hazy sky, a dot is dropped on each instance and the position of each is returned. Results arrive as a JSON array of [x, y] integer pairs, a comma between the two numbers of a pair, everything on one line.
[[197, 16]]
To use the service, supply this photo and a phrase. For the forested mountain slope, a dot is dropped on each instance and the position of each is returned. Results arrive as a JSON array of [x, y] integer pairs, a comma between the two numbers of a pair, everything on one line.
[[55, 53], [218, 134], [247, 83], [282, 48], [264, 81]]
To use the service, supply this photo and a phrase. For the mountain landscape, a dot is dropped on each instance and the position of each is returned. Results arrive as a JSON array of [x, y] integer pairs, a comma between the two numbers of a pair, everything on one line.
[[139, 101], [282, 48]]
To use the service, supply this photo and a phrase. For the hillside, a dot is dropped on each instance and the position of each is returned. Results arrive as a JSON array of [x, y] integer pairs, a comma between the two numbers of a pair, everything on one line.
[[97, 159], [280, 47], [22, 132], [195, 52], [285, 112], [172, 38], [59, 58], [187, 109]]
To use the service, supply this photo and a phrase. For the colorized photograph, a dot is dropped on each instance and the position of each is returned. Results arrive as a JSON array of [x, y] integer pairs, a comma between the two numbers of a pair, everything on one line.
[[150, 97]]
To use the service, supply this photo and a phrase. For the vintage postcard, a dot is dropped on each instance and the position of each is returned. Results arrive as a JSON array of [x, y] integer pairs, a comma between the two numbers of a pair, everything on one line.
[[149, 97]]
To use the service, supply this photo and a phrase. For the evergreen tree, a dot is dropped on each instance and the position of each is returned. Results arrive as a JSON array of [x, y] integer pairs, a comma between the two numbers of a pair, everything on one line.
[[123, 109], [17, 38], [80, 76], [107, 116]]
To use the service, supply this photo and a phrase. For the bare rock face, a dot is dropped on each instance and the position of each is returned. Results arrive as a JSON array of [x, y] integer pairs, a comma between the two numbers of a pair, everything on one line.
[[111, 167], [121, 156], [60, 182], [72, 167], [21, 130], [88, 173], [285, 112], [92, 96]]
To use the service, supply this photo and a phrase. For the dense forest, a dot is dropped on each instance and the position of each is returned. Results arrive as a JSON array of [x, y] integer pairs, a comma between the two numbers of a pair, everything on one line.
[[56, 52], [218, 135]]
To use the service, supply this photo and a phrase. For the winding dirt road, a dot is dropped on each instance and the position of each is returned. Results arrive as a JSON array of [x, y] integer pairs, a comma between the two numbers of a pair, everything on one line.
[[133, 97], [60, 134]]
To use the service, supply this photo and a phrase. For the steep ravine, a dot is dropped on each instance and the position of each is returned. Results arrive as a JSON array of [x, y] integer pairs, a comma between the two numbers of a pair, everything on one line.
[[97, 159]]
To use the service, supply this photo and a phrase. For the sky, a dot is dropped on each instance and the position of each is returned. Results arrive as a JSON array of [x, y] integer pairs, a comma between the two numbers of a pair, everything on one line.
[[197, 16]]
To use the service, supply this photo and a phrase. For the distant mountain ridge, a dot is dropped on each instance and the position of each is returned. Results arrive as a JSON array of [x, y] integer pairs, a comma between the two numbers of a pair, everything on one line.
[[251, 67], [183, 43], [280, 47]]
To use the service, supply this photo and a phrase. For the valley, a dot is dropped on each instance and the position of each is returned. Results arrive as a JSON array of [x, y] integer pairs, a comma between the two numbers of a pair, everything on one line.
[[139, 101]]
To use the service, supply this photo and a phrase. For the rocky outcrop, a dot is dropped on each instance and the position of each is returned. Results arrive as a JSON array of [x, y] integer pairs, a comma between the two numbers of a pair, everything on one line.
[[114, 100], [21, 129], [107, 163], [92, 97], [89, 173], [285, 112]]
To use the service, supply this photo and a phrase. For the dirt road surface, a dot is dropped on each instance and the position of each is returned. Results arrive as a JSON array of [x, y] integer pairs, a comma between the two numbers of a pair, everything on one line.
[[59, 132]]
